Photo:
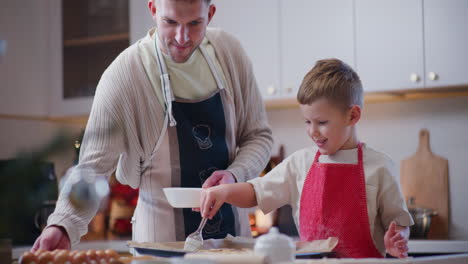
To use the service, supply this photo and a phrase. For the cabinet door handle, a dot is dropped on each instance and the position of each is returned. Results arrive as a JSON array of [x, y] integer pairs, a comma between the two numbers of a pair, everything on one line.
[[433, 76], [414, 77], [289, 90], [271, 90]]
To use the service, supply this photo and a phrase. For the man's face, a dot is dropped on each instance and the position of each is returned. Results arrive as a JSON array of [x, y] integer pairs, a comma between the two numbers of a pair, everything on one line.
[[181, 25]]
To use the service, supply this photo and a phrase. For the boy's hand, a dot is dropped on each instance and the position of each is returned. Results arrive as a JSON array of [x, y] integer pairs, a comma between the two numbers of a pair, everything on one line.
[[211, 200], [217, 178], [396, 240]]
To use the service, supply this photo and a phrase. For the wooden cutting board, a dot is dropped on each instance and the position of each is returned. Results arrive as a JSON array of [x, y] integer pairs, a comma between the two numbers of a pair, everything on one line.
[[424, 176]]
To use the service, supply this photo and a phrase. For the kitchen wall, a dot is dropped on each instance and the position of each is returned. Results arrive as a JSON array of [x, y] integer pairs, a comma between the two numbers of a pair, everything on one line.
[[393, 128], [28, 135], [390, 127]]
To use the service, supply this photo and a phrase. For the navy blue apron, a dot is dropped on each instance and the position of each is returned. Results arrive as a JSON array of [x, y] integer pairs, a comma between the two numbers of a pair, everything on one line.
[[201, 130]]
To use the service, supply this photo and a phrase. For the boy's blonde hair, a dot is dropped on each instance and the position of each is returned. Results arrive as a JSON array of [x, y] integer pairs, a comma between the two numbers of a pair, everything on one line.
[[334, 80]]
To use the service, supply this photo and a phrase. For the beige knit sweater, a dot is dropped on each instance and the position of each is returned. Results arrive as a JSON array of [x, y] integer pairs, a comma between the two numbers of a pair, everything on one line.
[[126, 120]]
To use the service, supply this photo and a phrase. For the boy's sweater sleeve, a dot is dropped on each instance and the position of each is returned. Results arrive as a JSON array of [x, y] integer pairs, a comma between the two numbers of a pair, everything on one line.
[[392, 205], [275, 189]]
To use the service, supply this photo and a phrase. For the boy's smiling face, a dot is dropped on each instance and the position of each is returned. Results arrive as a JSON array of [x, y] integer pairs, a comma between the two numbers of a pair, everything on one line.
[[330, 127]]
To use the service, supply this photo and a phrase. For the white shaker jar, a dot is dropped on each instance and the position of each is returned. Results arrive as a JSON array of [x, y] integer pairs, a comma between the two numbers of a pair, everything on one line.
[[275, 246]]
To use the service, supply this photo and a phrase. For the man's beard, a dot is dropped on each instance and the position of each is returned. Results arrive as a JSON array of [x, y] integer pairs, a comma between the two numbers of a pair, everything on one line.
[[166, 47]]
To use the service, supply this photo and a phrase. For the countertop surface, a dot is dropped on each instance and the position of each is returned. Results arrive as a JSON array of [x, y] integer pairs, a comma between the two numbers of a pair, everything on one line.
[[438, 246], [415, 246]]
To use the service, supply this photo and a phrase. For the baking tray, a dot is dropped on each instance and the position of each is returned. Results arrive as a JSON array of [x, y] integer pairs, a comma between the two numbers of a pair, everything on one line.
[[176, 249]]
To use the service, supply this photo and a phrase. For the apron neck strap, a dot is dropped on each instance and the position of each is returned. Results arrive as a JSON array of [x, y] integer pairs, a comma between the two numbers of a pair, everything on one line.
[[359, 153], [166, 80]]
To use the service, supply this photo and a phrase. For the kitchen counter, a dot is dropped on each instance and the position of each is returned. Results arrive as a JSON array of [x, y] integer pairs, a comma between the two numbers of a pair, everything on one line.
[[447, 259], [415, 246], [438, 246], [117, 245]]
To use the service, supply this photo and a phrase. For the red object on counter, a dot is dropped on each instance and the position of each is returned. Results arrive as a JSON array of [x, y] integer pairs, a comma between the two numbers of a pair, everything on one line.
[[333, 204]]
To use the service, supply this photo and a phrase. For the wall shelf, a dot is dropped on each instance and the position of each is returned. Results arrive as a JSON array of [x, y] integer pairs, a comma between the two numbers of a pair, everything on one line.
[[383, 97], [82, 119], [96, 40], [289, 103]]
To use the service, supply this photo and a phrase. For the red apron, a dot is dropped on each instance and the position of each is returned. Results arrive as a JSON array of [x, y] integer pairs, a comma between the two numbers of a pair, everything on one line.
[[333, 204]]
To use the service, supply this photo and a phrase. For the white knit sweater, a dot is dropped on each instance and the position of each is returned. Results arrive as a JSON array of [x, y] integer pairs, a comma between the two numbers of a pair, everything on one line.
[[126, 120]]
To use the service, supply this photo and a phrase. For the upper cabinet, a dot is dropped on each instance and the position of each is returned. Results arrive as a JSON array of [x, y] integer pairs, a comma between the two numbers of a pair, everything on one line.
[[446, 42], [255, 24], [24, 75], [87, 36], [312, 30], [285, 38], [411, 44], [389, 44], [393, 44], [57, 50]]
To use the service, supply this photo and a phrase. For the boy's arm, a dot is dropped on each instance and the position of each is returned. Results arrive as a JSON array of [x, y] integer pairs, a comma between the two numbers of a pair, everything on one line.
[[238, 194]]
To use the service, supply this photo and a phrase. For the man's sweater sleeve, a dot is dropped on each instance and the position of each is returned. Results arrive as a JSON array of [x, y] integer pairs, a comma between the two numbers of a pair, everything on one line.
[[253, 135], [102, 144]]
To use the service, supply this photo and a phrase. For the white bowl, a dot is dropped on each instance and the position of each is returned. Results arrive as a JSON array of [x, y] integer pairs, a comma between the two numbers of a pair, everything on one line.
[[183, 197]]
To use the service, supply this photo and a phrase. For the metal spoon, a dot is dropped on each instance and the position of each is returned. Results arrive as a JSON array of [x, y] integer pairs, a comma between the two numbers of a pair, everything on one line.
[[195, 240]]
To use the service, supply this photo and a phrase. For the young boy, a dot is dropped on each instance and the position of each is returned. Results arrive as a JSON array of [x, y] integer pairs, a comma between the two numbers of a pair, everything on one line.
[[340, 188]]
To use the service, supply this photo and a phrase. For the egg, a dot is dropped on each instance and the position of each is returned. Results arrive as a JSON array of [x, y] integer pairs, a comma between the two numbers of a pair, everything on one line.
[[91, 254], [28, 258], [111, 254], [62, 257], [80, 258], [101, 255], [38, 252], [45, 257]]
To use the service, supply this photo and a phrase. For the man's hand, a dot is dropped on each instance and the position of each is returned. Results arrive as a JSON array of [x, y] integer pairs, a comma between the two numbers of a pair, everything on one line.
[[219, 177], [53, 237], [396, 240]]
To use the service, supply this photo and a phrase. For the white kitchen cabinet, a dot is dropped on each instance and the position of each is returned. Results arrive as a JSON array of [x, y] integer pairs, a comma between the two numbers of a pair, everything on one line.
[[411, 44], [56, 53], [312, 30], [285, 38], [24, 75], [389, 44], [446, 42], [85, 37], [255, 24], [32, 69], [58, 105]]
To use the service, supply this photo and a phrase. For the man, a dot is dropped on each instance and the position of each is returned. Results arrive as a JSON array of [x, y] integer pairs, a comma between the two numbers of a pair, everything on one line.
[[187, 112]]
